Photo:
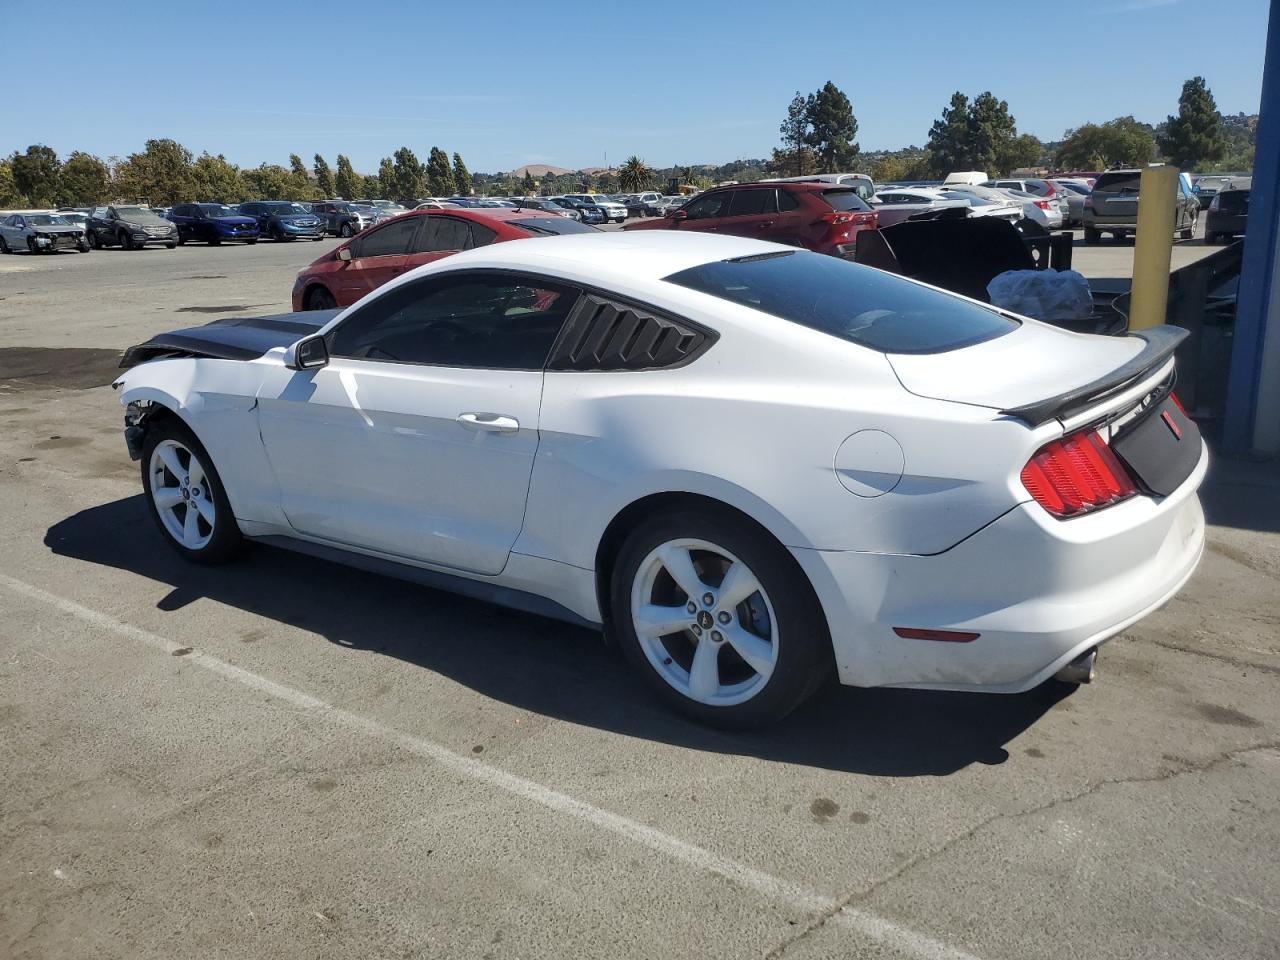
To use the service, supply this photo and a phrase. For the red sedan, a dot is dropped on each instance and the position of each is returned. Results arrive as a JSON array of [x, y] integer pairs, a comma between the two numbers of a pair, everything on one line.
[[367, 261], [812, 214]]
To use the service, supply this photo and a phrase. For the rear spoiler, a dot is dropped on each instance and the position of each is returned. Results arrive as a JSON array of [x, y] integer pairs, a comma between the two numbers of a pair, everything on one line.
[[1160, 342]]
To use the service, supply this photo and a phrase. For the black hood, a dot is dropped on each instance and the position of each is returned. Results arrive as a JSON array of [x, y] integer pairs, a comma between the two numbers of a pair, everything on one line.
[[232, 338]]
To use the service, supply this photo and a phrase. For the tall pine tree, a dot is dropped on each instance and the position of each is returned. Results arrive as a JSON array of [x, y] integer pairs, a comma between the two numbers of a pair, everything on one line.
[[324, 179], [832, 128], [1194, 136], [439, 175], [461, 176], [349, 183]]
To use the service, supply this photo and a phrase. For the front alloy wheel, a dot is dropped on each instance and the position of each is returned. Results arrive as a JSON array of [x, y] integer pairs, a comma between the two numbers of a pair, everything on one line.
[[718, 617], [185, 495]]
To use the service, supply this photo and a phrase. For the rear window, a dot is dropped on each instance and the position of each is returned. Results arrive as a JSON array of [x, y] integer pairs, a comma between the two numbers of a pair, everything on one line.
[[845, 200], [1233, 201], [846, 300], [1118, 183], [551, 226]]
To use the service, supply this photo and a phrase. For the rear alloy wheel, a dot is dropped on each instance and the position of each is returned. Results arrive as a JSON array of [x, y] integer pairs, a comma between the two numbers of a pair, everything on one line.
[[719, 619], [186, 497], [320, 299]]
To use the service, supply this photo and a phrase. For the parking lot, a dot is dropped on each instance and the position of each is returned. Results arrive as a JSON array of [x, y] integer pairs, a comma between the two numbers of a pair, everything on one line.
[[286, 758]]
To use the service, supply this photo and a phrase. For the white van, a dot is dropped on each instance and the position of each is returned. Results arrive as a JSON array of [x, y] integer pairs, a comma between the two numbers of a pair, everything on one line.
[[966, 178]]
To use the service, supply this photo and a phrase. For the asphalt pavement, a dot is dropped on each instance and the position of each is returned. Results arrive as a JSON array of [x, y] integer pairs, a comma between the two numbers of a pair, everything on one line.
[[286, 758]]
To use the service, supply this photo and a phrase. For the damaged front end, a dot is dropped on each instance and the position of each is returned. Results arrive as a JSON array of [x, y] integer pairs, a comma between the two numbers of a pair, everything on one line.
[[136, 415]]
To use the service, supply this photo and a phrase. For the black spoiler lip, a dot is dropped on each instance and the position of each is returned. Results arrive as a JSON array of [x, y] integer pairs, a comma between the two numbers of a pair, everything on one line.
[[1160, 342]]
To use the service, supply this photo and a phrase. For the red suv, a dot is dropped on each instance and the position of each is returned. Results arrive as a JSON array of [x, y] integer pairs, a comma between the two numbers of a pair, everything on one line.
[[382, 253], [818, 216]]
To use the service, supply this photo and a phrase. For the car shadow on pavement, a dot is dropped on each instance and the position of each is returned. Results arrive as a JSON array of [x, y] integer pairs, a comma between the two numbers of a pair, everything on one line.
[[547, 667]]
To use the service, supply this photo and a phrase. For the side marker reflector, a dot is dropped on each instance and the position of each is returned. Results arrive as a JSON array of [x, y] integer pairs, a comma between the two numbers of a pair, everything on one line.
[[945, 636]]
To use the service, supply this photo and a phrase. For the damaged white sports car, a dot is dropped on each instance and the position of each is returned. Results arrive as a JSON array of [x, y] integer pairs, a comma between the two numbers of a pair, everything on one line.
[[752, 465]]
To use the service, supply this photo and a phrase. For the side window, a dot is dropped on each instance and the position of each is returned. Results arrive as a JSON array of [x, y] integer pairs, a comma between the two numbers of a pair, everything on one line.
[[482, 236], [706, 207], [441, 234], [752, 203], [396, 238], [492, 322], [787, 201]]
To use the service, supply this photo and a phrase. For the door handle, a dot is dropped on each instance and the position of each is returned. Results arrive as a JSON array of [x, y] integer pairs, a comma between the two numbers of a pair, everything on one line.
[[765, 224], [489, 422]]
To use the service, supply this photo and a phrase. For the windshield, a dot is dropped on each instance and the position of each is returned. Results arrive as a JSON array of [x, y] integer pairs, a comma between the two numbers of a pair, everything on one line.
[[133, 213], [216, 210], [552, 226], [850, 301], [47, 220], [280, 207]]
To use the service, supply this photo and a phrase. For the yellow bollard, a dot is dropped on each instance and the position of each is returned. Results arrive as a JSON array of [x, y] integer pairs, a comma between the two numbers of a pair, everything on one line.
[[1153, 247]]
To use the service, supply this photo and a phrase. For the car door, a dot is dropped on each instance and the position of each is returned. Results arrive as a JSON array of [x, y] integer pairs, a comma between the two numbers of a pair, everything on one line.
[[752, 213], [417, 439], [705, 213], [377, 255], [439, 237]]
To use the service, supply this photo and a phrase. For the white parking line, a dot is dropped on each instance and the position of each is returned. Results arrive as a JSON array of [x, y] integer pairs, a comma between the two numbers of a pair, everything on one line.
[[781, 891]]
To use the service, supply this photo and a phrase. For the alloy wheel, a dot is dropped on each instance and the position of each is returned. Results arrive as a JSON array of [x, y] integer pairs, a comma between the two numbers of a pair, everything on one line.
[[704, 622], [181, 494]]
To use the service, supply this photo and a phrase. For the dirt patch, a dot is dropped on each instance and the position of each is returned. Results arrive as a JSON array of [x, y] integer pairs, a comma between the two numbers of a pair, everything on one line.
[[71, 368], [230, 308]]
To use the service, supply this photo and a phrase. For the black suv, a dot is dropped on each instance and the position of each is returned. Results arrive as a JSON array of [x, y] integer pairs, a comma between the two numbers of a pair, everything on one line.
[[129, 227]]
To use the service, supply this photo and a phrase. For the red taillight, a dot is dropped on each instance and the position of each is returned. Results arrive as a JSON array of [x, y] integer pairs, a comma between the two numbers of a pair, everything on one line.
[[1076, 474], [1042, 204], [835, 216]]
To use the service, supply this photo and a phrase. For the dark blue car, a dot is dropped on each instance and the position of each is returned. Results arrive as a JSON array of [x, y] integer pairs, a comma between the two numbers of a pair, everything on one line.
[[283, 219], [212, 223]]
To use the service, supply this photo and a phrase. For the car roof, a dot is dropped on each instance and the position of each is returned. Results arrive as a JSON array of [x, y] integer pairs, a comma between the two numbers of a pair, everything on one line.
[[621, 259]]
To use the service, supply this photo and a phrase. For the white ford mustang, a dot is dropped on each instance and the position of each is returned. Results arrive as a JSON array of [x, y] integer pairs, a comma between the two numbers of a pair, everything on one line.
[[752, 465]]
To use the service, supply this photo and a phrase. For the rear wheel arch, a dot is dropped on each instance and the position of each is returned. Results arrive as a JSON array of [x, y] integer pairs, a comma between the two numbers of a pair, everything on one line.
[[656, 504]]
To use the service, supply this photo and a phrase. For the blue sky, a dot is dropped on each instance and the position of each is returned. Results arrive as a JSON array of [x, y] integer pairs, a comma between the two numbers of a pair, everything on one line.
[[563, 83]]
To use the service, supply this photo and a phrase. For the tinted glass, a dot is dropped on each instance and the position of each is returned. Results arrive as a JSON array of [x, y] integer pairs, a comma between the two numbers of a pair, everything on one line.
[[787, 201], [440, 234], [711, 205], [481, 235], [132, 213], [1118, 183], [551, 226], [752, 203], [855, 303], [46, 220], [1234, 202], [497, 323], [392, 240], [845, 200]]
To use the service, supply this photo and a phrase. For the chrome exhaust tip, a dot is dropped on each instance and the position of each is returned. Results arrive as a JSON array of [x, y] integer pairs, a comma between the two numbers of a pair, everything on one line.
[[1080, 670]]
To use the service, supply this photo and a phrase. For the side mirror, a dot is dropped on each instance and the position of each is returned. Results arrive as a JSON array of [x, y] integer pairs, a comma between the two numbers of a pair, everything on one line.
[[679, 214], [344, 254], [309, 354]]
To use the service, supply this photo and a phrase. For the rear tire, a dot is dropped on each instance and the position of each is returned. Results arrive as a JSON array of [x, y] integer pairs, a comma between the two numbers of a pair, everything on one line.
[[215, 241], [252, 241], [170, 245], [1188, 233], [178, 476], [4, 247], [741, 661], [1091, 236]]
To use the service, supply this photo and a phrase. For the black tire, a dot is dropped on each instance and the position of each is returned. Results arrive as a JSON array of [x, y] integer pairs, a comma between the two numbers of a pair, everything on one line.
[[251, 241], [4, 246], [1188, 233], [182, 241], [1210, 238], [94, 242], [319, 298], [215, 241], [804, 659], [225, 541], [277, 234], [170, 245], [126, 243], [1091, 236], [347, 230], [83, 247]]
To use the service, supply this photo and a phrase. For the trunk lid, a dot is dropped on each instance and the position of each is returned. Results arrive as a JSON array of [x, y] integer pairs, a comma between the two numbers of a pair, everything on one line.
[[1035, 372]]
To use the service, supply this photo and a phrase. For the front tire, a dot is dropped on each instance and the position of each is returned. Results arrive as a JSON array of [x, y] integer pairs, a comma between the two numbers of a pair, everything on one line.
[[4, 247], [1091, 236], [718, 618], [320, 299], [126, 243], [347, 231], [185, 495]]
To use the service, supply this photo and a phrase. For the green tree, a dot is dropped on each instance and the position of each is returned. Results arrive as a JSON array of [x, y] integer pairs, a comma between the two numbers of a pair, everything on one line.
[[832, 128], [161, 174], [386, 180], [991, 133], [440, 181], [528, 186], [84, 181], [461, 176], [795, 156], [635, 175], [1194, 137], [324, 177], [949, 137], [35, 174], [1095, 146], [299, 179], [269, 181], [370, 186], [407, 182], [349, 183], [1023, 150], [216, 179], [9, 196]]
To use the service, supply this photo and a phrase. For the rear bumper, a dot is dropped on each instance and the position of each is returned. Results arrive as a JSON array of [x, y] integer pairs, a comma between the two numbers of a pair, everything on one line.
[[1225, 223], [1038, 591]]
